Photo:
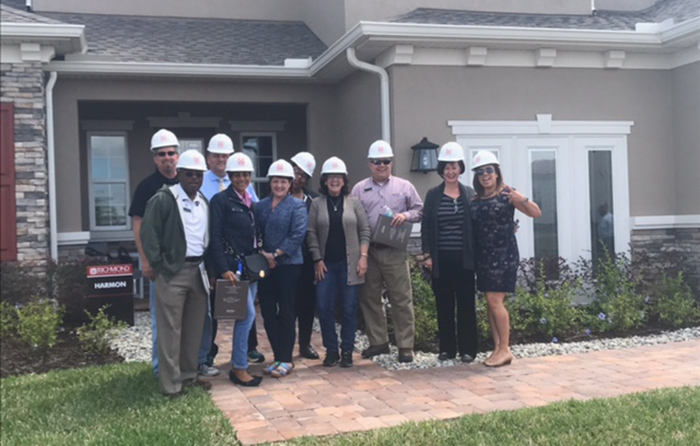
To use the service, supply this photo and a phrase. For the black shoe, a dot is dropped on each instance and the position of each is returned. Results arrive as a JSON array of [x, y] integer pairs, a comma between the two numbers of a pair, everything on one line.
[[467, 358], [255, 382], [444, 356], [405, 355], [308, 352], [205, 385], [331, 359], [346, 359], [255, 357], [374, 350]]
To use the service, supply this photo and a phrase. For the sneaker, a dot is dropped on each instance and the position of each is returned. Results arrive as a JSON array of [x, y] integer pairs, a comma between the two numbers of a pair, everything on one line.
[[255, 357], [207, 370], [467, 358], [331, 359], [346, 358]]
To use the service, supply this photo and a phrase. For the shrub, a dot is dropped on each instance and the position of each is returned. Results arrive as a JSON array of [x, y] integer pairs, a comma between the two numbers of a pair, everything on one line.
[[8, 318], [19, 283], [425, 311], [38, 322], [96, 335], [70, 286], [674, 304]]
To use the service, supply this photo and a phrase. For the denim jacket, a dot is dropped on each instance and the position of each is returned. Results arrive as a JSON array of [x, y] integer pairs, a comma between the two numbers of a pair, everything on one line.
[[284, 228]]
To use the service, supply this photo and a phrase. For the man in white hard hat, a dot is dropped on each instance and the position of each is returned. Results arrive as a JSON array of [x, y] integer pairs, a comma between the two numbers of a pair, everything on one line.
[[164, 148], [384, 194], [304, 164], [215, 180], [175, 236]]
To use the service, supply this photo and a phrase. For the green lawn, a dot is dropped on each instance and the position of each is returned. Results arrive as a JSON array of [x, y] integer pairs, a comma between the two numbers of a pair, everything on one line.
[[666, 417], [121, 405], [110, 405]]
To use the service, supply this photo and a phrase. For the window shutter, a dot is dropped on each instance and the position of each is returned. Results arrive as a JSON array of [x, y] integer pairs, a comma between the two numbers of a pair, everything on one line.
[[8, 211]]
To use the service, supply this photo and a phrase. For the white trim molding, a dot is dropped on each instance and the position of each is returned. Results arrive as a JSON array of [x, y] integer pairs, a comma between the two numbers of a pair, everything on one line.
[[73, 238], [665, 222], [113, 125], [257, 126], [542, 126], [184, 119]]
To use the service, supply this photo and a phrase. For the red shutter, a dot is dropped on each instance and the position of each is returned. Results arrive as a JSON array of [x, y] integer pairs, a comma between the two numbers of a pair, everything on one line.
[[8, 211]]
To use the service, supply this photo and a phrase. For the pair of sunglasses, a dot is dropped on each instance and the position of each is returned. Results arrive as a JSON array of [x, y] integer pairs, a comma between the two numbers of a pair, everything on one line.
[[489, 170], [164, 154], [378, 162]]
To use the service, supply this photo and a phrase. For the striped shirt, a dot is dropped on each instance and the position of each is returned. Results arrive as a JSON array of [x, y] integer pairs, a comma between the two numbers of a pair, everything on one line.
[[450, 224]]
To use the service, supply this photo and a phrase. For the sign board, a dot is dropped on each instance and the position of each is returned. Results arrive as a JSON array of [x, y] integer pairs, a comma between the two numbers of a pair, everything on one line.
[[396, 237], [231, 301], [110, 280]]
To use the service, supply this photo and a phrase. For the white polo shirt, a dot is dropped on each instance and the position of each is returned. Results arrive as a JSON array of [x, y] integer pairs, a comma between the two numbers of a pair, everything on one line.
[[195, 219]]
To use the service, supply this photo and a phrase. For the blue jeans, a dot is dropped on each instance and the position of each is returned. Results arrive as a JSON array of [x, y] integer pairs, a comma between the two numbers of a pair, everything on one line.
[[241, 331], [335, 284], [154, 331]]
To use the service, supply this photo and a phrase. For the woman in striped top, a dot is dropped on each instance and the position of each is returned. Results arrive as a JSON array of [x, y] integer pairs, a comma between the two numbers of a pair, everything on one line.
[[448, 249]]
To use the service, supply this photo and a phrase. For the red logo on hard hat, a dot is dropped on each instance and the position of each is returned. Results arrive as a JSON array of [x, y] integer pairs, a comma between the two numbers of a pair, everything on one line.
[[163, 138], [310, 165], [221, 143], [280, 167], [197, 160], [380, 149], [477, 159], [449, 151], [335, 164], [241, 162]]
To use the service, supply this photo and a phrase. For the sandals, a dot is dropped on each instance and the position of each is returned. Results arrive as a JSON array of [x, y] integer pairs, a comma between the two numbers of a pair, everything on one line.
[[283, 369], [271, 368]]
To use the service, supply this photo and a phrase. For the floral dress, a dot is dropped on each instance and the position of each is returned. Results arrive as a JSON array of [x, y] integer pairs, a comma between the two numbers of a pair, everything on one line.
[[496, 253]]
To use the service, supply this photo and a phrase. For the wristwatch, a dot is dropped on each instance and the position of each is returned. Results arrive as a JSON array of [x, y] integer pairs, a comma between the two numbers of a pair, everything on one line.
[[275, 255]]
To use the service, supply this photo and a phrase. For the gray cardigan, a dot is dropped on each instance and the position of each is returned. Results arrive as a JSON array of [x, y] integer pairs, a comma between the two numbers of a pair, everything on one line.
[[355, 227]]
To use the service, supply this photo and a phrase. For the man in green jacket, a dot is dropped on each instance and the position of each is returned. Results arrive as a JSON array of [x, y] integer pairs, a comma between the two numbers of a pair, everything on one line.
[[175, 236]]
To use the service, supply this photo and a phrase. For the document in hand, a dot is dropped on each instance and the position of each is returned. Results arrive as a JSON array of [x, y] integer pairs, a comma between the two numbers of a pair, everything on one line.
[[396, 237], [231, 301]]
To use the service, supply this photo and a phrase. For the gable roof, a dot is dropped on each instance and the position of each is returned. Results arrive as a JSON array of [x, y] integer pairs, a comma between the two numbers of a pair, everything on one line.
[[678, 10], [194, 41], [9, 14]]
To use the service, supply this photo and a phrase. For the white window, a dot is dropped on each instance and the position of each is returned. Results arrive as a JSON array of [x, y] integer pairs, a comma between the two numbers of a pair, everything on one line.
[[261, 147], [191, 144], [575, 170], [109, 180]]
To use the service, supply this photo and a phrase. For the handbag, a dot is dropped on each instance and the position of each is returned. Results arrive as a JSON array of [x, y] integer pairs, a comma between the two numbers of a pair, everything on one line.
[[255, 266]]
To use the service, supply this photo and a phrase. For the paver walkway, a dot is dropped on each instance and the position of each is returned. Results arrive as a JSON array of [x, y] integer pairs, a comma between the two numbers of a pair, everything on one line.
[[316, 400]]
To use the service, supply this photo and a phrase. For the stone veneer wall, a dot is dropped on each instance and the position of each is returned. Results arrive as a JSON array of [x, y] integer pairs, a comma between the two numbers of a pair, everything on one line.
[[23, 85], [664, 246]]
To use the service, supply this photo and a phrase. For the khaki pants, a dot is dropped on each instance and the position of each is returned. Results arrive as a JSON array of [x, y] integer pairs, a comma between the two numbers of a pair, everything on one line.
[[181, 305], [388, 266]]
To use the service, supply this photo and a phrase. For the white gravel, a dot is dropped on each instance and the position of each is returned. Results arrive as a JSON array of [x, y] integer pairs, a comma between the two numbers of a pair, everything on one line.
[[134, 344]]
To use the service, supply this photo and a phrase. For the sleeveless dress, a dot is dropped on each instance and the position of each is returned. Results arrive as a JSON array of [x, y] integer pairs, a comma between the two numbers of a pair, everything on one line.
[[496, 250]]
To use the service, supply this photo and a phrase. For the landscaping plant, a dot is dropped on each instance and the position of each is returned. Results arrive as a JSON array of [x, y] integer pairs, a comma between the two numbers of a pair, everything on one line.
[[674, 304], [38, 322], [96, 335]]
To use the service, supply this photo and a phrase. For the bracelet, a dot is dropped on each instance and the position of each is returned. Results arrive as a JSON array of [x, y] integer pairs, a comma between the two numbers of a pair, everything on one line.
[[363, 255]]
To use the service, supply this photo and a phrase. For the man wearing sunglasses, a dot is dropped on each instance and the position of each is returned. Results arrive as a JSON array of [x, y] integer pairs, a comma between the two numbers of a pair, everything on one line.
[[175, 237], [164, 148], [384, 194]]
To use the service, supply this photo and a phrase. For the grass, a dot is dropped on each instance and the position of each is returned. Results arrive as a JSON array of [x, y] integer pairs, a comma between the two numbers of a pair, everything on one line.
[[659, 418], [122, 405], [110, 405]]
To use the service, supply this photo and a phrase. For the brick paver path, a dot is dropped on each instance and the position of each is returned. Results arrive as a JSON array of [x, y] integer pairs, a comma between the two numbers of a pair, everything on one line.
[[316, 400]]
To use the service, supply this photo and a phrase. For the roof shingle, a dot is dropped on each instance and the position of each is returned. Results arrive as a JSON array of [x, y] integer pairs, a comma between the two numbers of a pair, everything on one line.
[[13, 15]]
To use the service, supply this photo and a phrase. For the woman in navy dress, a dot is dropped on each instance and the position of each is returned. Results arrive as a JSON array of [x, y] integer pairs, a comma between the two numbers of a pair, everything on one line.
[[497, 256]]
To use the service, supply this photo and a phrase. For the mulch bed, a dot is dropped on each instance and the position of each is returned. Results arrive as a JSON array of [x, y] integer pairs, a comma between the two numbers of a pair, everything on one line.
[[16, 358]]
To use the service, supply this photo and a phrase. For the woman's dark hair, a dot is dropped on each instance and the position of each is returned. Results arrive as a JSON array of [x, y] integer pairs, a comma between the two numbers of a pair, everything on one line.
[[443, 164], [479, 189], [323, 189]]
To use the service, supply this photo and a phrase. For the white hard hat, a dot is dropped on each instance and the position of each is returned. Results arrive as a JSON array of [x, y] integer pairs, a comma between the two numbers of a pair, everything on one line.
[[451, 152], [163, 138], [306, 162], [380, 149], [220, 143], [334, 165], [239, 162], [281, 168], [484, 158], [192, 160]]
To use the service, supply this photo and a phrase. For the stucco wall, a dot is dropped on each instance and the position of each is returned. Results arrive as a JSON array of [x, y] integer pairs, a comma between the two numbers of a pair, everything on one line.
[[318, 101], [326, 18], [686, 129], [425, 98]]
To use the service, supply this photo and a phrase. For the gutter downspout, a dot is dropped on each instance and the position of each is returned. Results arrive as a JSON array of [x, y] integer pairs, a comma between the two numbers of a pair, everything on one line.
[[384, 87], [53, 224]]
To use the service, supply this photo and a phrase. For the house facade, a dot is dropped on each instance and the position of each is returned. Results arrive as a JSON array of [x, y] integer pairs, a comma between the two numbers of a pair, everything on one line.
[[594, 113]]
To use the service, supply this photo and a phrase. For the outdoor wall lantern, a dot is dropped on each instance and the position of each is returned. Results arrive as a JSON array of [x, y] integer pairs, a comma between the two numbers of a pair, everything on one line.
[[424, 156]]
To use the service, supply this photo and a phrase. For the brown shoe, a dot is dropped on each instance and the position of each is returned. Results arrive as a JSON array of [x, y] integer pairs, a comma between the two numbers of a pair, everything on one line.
[[375, 350], [205, 385], [405, 355]]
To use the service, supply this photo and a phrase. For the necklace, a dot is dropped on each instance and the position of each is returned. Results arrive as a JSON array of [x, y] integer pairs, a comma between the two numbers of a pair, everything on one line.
[[334, 203]]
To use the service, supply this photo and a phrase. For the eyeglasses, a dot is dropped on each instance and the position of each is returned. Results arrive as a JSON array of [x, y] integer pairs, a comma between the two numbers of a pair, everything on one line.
[[164, 154], [193, 174], [489, 170], [378, 162]]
